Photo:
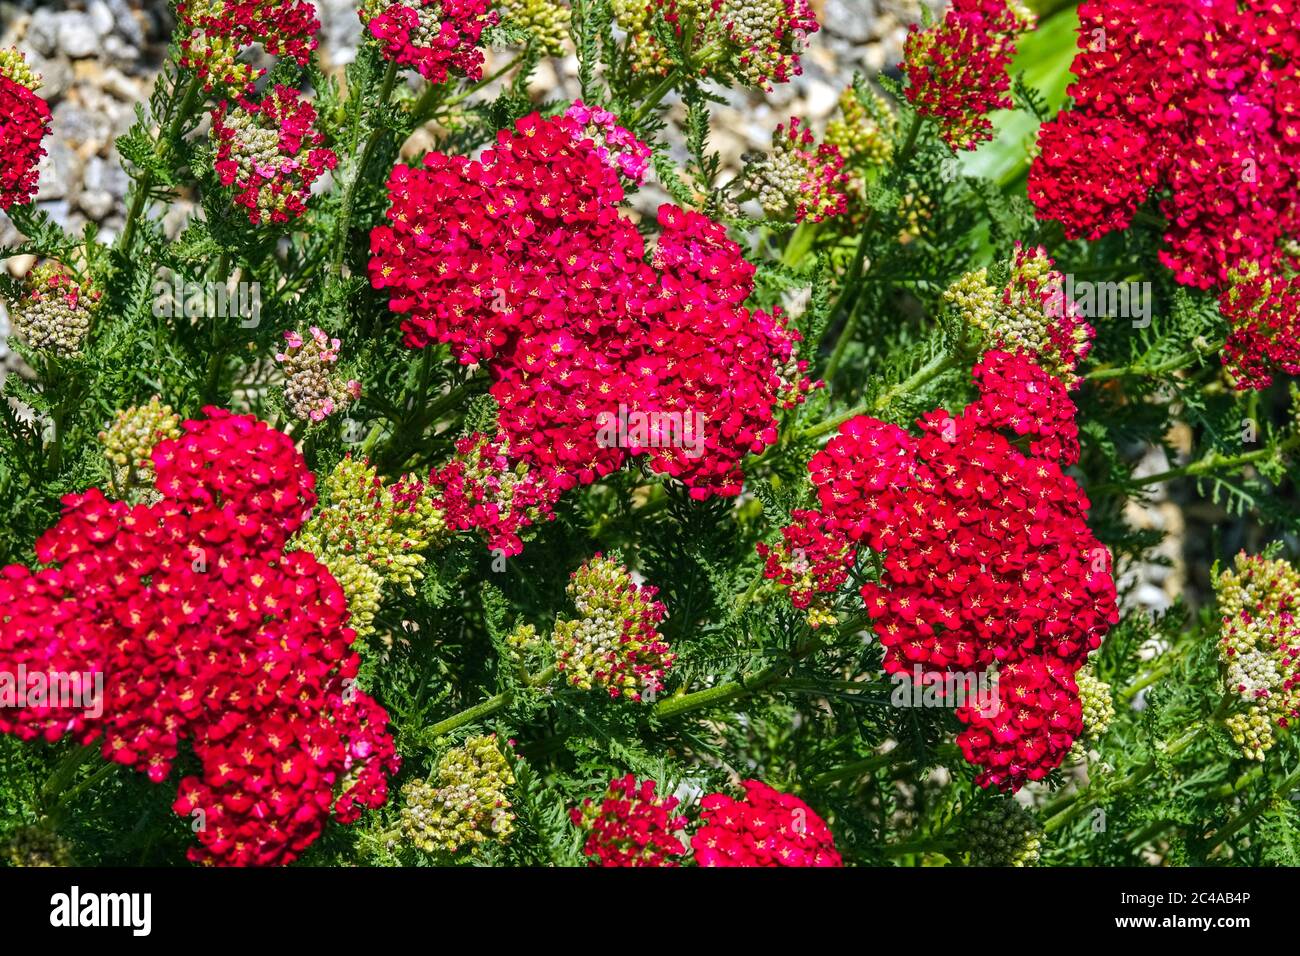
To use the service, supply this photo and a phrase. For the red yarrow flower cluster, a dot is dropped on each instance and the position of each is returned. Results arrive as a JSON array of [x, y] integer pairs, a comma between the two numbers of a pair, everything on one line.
[[482, 489], [1196, 99], [24, 123], [630, 826], [437, 37], [987, 558], [1263, 313], [206, 629], [213, 33], [957, 69], [522, 260], [765, 828], [270, 153]]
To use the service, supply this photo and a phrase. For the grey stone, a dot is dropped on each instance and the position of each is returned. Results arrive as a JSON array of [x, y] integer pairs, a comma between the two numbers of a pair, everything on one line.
[[119, 51], [80, 125], [60, 210], [96, 203], [820, 100], [106, 175], [78, 36], [43, 32], [55, 73], [125, 23], [60, 170], [851, 19], [118, 84], [101, 18]]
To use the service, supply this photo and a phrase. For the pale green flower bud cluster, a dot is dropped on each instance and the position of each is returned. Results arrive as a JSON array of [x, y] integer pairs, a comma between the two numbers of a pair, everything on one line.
[[645, 53], [13, 66], [546, 20], [1004, 833], [1258, 643], [130, 439], [858, 134], [53, 314], [614, 643], [524, 641], [1028, 314], [36, 846], [1098, 705], [372, 535], [464, 803]]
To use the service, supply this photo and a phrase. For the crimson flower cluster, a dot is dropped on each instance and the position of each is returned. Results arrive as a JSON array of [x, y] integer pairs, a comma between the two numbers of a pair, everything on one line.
[[522, 260], [214, 32], [205, 628], [765, 828], [630, 826], [24, 123], [1196, 99], [1263, 313], [987, 557], [957, 69], [437, 37], [271, 153]]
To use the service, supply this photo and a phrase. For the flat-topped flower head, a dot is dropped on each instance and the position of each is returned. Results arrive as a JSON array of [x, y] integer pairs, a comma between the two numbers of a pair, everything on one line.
[[24, 123], [372, 535], [764, 828], [523, 261], [987, 559], [130, 439], [54, 312], [799, 179], [1003, 833], [546, 20], [631, 826], [207, 628], [863, 136], [614, 643], [270, 153], [438, 38], [484, 489], [617, 147], [957, 68], [1196, 102]]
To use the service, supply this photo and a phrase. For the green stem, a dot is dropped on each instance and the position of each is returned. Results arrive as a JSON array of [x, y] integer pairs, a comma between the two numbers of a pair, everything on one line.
[[140, 195], [842, 343], [1179, 361], [658, 93], [683, 703], [1068, 807], [1243, 819], [932, 369], [474, 88], [488, 707], [1211, 462], [350, 195]]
